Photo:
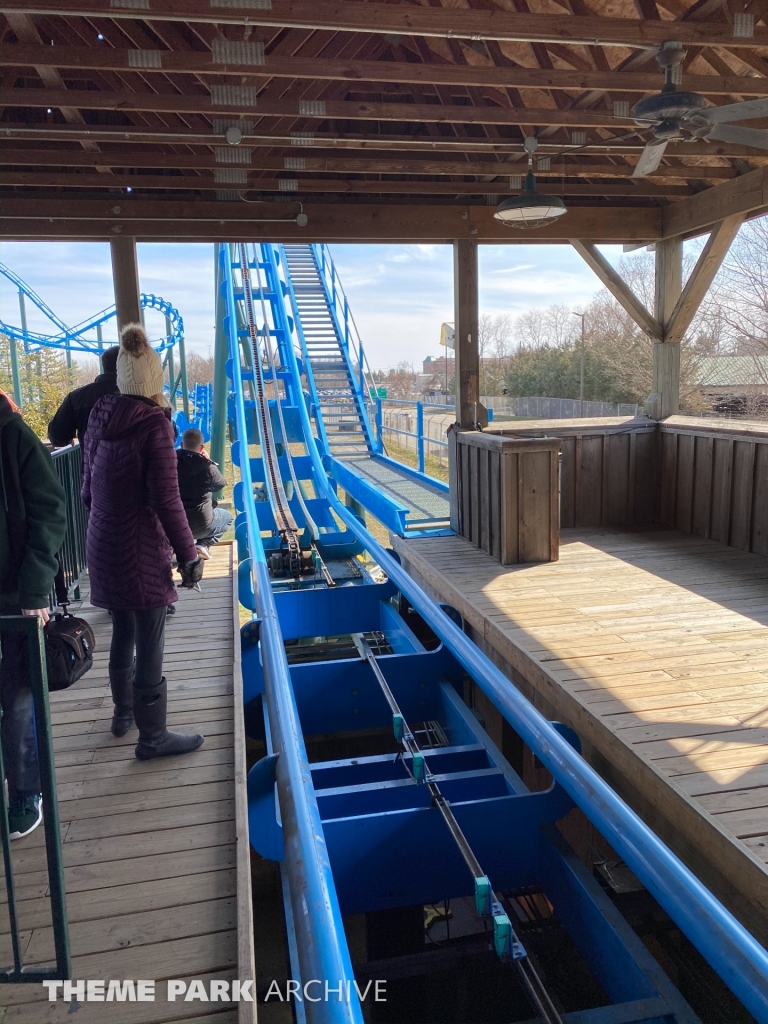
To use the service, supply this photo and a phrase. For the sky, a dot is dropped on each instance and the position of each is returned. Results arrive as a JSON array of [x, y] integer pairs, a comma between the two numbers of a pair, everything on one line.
[[399, 294]]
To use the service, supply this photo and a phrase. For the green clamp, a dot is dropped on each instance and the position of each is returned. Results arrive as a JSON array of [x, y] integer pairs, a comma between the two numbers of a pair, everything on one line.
[[419, 768], [502, 935], [398, 726], [483, 895]]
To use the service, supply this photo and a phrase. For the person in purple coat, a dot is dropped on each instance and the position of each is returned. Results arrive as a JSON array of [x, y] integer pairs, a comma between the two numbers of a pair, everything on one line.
[[136, 522]]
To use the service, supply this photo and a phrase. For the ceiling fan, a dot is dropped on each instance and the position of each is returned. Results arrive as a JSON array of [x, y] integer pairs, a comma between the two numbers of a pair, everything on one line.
[[675, 114]]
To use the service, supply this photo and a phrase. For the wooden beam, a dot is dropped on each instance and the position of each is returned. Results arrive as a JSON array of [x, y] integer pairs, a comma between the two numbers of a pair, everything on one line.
[[617, 287], [255, 162], [145, 219], [362, 72], [125, 278], [412, 20], [665, 398], [630, 188], [320, 110], [470, 413], [140, 135], [746, 194], [702, 276]]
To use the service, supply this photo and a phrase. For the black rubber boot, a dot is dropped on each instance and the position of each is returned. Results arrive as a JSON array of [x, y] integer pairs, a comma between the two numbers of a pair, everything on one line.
[[121, 684], [149, 708]]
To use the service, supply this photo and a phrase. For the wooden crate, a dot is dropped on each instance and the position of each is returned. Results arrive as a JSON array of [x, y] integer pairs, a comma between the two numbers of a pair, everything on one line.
[[505, 494]]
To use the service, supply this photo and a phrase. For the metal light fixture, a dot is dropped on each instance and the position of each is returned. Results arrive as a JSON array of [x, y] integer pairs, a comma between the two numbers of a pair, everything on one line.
[[530, 209]]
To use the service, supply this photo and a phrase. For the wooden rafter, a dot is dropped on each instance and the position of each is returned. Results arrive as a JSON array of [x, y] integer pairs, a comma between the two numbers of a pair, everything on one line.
[[384, 19], [197, 62]]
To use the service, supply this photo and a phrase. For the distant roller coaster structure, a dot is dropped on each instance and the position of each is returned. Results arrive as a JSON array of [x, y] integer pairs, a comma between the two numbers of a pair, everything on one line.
[[196, 403]]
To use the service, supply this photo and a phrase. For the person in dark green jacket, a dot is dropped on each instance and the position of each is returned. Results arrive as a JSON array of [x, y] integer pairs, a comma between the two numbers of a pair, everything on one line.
[[32, 526]]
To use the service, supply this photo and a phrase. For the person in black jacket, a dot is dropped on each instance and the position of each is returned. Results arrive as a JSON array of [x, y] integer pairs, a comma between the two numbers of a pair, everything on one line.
[[199, 477], [33, 522], [71, 419]]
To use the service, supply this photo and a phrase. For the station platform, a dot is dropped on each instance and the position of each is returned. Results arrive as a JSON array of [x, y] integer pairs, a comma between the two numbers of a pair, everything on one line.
[[653, 646], [150, 848]]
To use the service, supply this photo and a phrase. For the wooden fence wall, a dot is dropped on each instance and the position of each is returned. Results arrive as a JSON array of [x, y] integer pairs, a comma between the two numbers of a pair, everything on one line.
[[705, 477], [607, 470], [714, 480]]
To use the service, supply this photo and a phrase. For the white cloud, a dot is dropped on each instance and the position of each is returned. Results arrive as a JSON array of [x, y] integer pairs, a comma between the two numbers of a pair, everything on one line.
[[399, 294]]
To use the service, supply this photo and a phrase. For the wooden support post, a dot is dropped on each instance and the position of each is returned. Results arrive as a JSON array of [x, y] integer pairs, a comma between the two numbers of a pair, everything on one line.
[[665, 400], [125, 276], [469, 412]]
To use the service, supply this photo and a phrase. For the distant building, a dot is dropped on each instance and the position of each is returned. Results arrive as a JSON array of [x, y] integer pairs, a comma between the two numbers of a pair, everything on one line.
[[735, 385], [437, 365]]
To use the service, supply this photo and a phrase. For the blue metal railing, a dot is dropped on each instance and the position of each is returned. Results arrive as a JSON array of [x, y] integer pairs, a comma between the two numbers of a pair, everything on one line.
[[341, 310]]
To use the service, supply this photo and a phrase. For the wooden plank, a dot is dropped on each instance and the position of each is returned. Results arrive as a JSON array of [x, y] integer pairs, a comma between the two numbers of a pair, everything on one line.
[[702, 486], [495, 500], [760, 501], [535, 526], [568, 483], [722, 473], [741, 500], [483, 484], [589, 500], [686, 456], [618, 474], [510, 515]]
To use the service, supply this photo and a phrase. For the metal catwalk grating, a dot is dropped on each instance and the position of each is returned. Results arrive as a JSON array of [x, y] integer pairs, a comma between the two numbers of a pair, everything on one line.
[[424, 502]]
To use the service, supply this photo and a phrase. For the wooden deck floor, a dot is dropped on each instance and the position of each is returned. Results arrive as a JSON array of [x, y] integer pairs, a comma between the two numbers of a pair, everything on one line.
[[654, 647], [149, 848]]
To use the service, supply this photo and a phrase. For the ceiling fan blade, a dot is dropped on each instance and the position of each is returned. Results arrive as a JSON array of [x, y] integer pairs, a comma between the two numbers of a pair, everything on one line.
[[739, 136], [735, 111], [650, 159]]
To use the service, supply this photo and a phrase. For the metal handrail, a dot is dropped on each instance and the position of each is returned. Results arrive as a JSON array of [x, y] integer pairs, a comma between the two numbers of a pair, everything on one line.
[[353, 339], [723, 941], [68, 464], [38, 682]]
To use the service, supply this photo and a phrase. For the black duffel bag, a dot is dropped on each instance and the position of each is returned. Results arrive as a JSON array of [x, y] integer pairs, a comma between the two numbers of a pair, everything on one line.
[[69, 646]]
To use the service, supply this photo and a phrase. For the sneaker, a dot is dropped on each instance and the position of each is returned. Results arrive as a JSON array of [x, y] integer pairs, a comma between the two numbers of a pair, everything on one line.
[[24, 815], [171, 609], [203, 552]]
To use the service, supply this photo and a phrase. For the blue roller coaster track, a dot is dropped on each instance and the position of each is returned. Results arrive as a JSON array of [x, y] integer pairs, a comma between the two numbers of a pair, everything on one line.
[[73, 339], [86, 339], [342, 641]]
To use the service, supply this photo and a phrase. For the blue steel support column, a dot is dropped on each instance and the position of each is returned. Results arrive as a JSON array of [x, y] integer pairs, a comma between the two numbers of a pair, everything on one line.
[[320, 940], [100, 343], [420, 434], [16, 376], [728, 947], [171, 369], [379, 425], [183, 374], [220, 390]]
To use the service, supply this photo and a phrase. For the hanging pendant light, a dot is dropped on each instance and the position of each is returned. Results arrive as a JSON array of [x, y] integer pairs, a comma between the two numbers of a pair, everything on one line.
[[530, 209]]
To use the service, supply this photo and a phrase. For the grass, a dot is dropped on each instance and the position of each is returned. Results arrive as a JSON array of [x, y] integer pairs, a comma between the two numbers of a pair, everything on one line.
[[432, 466]]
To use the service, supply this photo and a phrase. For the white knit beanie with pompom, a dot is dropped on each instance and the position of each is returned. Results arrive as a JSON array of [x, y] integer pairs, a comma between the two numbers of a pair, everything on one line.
[[139, 370]]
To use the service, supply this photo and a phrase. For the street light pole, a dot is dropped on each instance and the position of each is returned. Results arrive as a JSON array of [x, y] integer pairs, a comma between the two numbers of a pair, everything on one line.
[[581, 385]]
